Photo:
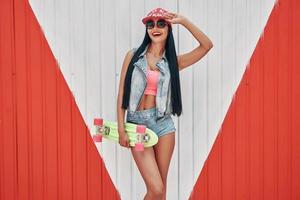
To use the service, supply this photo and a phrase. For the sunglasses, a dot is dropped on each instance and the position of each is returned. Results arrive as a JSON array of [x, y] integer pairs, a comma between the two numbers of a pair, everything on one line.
[[161, 23]]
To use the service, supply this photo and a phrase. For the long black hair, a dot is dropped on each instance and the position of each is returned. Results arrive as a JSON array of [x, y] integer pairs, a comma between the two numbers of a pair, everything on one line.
[[173, 66]]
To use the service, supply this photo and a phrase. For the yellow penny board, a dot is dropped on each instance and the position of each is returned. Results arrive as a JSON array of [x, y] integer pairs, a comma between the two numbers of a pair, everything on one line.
[[110, 132]]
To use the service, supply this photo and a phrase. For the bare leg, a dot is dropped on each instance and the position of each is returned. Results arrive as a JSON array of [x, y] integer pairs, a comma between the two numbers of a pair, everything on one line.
[[148, 168], [163, 152]]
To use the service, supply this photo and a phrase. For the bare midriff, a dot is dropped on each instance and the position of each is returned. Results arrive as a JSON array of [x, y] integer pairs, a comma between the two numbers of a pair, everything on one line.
[[147, 102]]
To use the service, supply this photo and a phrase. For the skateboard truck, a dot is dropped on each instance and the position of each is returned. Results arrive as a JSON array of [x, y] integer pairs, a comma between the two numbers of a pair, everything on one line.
[[139, 145], [146, 138], [98, 123]]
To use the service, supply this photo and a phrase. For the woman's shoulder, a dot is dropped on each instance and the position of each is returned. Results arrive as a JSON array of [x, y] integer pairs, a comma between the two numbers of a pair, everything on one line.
[[134, 49], [130, 53]]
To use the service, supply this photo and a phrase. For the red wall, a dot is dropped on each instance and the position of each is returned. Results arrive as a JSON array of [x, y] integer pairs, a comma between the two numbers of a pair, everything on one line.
[[257, 152], [46, 151]]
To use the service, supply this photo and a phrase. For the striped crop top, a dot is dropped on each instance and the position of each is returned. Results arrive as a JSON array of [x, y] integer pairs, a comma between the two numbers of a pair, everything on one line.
[[152, 79]]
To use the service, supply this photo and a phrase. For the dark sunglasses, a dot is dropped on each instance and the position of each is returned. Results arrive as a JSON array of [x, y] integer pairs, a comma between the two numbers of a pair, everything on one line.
[[161, 23]]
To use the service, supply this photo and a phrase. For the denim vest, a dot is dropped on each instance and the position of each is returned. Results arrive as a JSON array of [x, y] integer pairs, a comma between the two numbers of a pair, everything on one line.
[[139, 83]]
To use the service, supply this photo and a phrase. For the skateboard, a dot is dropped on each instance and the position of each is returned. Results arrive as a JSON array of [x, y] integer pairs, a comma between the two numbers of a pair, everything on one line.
[[139, 135]]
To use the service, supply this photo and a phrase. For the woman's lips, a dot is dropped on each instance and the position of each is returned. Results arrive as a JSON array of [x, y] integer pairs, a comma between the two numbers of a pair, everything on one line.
[[155, 34]]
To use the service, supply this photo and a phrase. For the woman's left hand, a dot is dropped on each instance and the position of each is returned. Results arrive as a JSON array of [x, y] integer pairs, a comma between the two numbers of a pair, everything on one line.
[[174, 18]]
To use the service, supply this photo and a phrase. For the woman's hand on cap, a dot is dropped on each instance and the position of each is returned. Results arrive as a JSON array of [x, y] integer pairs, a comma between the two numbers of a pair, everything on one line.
[[174, 18]]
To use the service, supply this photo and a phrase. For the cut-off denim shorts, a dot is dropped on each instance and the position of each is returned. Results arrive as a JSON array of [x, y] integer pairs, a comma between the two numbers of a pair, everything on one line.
[[148, 118]]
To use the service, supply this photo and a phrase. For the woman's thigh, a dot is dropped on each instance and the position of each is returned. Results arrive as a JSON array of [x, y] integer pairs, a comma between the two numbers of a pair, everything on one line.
[[164, 151], [146, 163]]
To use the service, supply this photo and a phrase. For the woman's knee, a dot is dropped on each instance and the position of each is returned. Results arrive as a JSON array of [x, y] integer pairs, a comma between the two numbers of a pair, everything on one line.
[[156, 190]]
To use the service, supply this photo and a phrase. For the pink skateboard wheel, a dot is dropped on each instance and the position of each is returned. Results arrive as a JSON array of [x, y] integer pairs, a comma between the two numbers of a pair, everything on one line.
[[139, 147], [97, 138], [98, 121], [141, 129]]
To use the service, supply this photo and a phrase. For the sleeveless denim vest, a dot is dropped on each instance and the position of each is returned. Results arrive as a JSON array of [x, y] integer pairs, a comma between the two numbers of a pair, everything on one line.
[[139, 83]]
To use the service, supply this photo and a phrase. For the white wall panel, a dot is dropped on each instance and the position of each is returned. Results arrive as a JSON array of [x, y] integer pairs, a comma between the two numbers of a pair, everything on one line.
[[90, 40], [123, 44], [185, 128]]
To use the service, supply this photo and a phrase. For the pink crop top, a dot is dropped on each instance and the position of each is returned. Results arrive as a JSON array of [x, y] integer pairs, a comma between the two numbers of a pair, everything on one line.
[[152, 78]]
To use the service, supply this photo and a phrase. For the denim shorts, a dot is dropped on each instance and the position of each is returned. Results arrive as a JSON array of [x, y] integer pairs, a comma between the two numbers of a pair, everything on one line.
[[148, 118]]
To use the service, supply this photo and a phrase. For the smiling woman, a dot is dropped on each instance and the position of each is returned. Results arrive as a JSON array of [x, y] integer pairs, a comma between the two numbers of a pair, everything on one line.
[[151, 97]]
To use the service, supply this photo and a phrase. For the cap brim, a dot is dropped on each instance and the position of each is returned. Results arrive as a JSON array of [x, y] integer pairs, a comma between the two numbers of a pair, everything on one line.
[[145, 19]]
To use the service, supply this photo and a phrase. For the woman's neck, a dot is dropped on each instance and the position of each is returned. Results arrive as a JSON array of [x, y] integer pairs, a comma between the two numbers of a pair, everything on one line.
[[156, 49]]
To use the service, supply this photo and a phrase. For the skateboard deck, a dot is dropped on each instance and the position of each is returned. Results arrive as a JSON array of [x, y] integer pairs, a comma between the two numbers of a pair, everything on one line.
[[139, 136]]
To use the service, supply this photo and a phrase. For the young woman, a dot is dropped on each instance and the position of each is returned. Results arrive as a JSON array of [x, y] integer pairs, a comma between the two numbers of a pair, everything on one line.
[[149, 90]]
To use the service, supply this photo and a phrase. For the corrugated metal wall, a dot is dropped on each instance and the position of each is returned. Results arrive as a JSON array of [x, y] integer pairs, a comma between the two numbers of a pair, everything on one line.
[[45, 148], [46, 151], [257, 152], [90, 39]]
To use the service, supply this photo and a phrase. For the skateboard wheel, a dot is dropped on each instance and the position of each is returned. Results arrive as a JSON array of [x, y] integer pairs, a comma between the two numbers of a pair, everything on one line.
[[139, 147], [97, 138], [98, 121], [140, 129]]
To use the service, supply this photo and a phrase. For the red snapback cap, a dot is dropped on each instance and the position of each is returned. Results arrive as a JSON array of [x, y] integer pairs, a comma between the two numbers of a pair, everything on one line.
[[156, 13]]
